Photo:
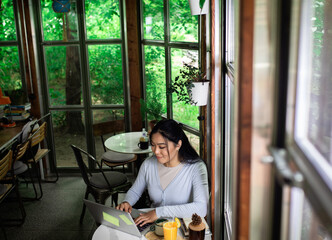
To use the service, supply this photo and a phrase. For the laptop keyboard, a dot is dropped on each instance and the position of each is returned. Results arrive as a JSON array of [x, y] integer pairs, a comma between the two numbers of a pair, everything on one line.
[[143, 227]]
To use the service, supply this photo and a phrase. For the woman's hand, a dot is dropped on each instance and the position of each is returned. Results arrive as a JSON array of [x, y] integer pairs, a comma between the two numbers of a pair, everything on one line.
[[145, 218], [124, 206]]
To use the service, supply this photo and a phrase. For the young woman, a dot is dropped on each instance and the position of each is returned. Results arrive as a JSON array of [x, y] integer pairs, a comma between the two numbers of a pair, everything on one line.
[[175, 177]]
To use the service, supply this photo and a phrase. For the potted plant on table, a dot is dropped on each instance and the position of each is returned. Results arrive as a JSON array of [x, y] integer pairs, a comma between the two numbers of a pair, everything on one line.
[[191, 86]]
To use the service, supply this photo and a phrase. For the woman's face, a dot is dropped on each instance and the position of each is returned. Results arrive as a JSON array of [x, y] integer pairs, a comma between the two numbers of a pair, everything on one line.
[[169, 157]]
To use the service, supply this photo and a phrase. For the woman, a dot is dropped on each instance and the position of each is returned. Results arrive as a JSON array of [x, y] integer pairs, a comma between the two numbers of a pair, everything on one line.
[[175, 177]]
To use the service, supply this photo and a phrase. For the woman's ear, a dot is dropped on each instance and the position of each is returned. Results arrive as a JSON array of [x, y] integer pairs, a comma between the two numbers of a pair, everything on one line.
[[178, 145]]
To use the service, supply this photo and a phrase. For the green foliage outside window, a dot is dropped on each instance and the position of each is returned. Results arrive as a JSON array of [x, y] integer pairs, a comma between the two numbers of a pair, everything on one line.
[[153, 19], [155, 77], [10, 74], [7, 21], [10, 69], [102, 19], [183, 26], [56, 74], [106, 74]]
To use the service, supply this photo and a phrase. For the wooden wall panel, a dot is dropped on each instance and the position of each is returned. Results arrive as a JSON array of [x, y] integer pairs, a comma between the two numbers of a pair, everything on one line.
[[134, 63], [243, 86], [29, 57]]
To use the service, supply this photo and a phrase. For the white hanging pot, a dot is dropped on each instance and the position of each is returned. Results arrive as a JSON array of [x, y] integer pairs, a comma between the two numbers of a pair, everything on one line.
[[195, 8], [199, 93]]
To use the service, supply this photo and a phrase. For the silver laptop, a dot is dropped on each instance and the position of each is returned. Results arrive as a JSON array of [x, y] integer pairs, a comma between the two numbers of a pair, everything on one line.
[[116, 219]]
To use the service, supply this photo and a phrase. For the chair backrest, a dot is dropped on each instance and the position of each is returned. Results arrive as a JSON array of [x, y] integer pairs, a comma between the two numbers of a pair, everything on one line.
[[5, 164], [86, 174], [38, 135], [81, 164], [20, 150]]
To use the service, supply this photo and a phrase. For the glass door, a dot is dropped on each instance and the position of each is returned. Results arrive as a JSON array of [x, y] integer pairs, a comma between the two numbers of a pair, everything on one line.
[[83, 71]]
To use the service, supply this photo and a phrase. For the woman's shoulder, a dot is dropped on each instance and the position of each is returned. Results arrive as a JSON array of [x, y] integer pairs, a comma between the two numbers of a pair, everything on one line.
[[149, 161], [197, 164]]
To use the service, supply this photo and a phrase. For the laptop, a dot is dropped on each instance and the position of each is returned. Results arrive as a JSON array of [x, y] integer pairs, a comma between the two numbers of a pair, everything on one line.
[[117, 219]]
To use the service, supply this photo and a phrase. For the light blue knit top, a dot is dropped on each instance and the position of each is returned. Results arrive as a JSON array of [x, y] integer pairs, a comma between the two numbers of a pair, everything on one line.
[[185, 195]]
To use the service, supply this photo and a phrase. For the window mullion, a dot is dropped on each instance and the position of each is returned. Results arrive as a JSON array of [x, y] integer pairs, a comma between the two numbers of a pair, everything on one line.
[[167, 58]]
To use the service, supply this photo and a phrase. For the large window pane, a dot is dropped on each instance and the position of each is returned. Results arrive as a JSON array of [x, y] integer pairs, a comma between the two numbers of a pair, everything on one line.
[[68, 128], [153, 19], [182, 112], [304, 223], [102, 19], [230, 32], [229, 128], [59, 26], [319, 128], [105, 63], [183, 26], [155, 77], [314, 99], [7, 21], [64, 75], [10, 69]]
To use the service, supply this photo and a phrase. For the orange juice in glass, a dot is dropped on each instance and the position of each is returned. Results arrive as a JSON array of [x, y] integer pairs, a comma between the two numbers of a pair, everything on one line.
[[170, 230]]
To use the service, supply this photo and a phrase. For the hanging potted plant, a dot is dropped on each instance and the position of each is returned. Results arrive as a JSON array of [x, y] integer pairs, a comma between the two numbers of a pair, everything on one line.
[[198, 7], [191, 86], [153, 109]]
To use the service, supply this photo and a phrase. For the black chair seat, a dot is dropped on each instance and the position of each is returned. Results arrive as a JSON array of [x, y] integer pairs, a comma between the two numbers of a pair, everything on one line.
[[114, 178], [101, 185], [110, 158], [115, 157]]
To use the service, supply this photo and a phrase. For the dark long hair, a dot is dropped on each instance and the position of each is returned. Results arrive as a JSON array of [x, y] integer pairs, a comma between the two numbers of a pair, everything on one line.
[[172, 131]]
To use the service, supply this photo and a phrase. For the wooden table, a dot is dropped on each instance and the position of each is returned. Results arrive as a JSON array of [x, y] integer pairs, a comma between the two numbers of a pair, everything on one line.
[[8, 135]]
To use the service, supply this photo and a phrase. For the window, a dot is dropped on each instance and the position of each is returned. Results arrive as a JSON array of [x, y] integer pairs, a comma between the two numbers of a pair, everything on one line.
[[10, 52], [309, 122], [84, 61], [170, 38], [313, 103]]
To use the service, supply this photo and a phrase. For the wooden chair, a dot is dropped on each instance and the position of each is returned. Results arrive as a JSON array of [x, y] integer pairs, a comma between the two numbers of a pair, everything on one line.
[[20, 168], [6, 186], [111, 158], [32, 159], [101, 185], [46, 119]]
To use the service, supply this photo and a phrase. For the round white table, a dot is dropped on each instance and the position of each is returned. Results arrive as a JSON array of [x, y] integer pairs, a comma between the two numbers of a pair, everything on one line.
[[103, 232], [126, 143]]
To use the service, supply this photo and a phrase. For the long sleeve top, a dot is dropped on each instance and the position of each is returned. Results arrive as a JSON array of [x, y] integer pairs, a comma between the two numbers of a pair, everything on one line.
[[185, 195]]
